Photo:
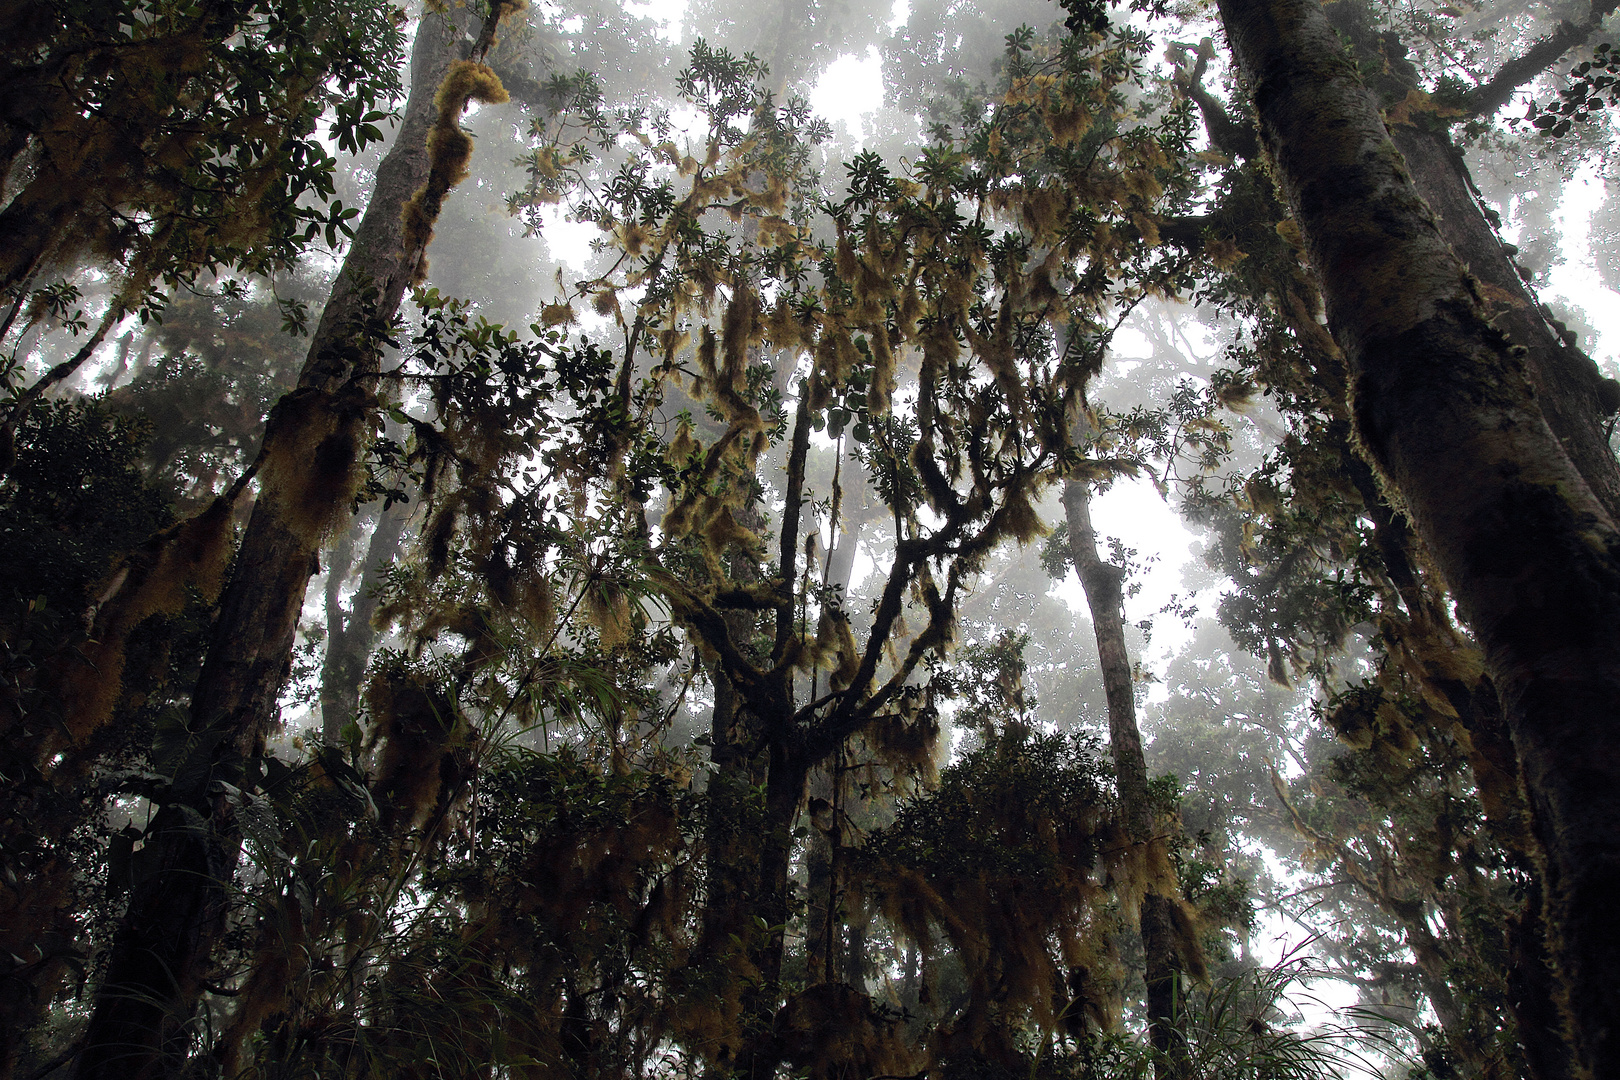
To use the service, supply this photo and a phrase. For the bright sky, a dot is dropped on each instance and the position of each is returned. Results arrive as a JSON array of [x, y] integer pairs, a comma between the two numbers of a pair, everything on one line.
[[1577, 279], [850, 88]]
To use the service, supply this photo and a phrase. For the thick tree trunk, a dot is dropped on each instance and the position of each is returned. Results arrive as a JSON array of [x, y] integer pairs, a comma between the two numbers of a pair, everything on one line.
[[163, 947], [1573, 394], [749, 860], [1443, 407], [1570, 389], [1429, 639], [771, 890], [1495, 767], [1102, 582]]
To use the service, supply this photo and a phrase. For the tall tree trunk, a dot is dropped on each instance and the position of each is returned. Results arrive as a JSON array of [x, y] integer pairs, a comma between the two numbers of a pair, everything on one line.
[[821, 923], [749, 858], [1570, 389], [825, 925], [349, 634], [1495, 767], [749, 846], [1442, 405], [313, 441], [1559, 372], [1103, 583]]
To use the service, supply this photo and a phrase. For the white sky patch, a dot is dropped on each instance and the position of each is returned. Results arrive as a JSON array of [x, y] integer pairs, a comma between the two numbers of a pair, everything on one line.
[[1133, 511], [1577, 278], [668, 13], [850, 89], [569, 241]]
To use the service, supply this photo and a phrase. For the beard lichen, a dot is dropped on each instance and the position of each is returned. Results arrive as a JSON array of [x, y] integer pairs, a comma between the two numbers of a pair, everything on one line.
[[312, 462], [160, 578], [449, 153], [1005, 863]]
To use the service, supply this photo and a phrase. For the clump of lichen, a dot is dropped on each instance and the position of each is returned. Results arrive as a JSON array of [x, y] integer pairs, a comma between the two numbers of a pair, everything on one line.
[[449, 154]]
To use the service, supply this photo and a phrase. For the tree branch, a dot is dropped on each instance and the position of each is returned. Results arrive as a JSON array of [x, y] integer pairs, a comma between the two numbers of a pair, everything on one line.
[[1491, 95], [1225, 134], [789, 558]]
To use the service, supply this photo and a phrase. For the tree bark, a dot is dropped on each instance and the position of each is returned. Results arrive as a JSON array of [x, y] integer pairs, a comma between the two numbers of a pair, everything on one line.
[[749, 859], [1495, 768], [160, 957], [1574, 395], [749, 839], [1103, 582], [821, 924], [1443, 407], [1570, 389]]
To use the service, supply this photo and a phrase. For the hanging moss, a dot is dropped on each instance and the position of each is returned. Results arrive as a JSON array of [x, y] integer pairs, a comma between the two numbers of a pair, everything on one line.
[[87, 550], [312, 460], [158, 579], [423, 743], [1009, 855], [607, 609], [838, 1033], [449, 152]]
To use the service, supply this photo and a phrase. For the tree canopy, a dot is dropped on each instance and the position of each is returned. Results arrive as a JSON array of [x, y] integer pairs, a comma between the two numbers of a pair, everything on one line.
[[532, 553]]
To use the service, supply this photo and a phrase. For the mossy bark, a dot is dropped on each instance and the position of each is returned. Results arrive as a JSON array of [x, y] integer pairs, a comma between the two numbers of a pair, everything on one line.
[[1103, 583], [1494, 764], [1443, 407], [162, 952], [1568, 385], [754, 795], [821, 922]]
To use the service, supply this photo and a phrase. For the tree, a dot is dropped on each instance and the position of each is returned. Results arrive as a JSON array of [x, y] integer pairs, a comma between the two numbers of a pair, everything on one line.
[[1167, 939], [707, 562], [1442, 407], [75, 503], [171, 141], [308, 471]]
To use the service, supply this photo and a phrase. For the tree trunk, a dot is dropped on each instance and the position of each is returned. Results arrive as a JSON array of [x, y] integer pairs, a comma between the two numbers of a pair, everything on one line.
[[1495, 767], [1568, 385], [1443, 407], [825, 924], [821, 923], [30, 225], [749, 858], [350, 635], [1102, 582], [160, 957]]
